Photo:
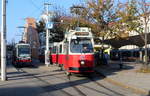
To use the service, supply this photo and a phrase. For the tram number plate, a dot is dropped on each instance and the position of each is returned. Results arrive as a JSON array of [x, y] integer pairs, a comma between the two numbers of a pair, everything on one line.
[[82, 57]]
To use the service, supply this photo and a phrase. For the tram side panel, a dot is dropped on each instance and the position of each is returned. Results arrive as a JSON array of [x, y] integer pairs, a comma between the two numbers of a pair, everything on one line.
[[60, 54]]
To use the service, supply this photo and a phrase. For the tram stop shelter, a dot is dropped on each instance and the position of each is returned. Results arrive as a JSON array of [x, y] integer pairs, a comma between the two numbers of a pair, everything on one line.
[[132, 40]]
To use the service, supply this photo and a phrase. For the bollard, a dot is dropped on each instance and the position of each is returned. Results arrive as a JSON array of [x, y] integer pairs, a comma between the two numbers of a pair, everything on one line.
[[121, 66]]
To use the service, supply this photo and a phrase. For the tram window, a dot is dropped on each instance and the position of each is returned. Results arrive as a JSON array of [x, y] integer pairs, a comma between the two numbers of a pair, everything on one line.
[[82, 43], [23, 50]]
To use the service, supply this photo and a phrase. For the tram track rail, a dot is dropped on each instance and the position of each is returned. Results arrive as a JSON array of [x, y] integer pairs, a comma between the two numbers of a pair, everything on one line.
[[45, 82], [76, 88], [71, 82]]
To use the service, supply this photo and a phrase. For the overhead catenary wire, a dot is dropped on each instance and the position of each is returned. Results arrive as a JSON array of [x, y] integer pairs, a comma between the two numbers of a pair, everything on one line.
[[38, 9], [32, 2]]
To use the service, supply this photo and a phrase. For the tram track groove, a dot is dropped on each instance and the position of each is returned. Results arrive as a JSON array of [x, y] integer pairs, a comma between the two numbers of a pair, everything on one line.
[[44, 81], [73, 85], [76, 88]]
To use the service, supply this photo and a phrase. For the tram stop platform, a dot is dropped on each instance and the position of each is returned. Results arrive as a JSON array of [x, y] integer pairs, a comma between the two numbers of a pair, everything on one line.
[[127, 77]]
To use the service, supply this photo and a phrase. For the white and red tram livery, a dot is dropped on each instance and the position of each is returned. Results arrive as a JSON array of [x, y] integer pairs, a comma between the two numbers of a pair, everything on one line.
[[22, 54], [75, 52]]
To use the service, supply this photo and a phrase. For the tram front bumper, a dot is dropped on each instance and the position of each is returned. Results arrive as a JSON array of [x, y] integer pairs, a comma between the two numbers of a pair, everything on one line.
[[80, 69]]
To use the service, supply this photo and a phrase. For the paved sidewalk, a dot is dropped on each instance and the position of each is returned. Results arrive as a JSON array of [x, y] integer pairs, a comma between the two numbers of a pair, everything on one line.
[[127, 77], [22, 84]]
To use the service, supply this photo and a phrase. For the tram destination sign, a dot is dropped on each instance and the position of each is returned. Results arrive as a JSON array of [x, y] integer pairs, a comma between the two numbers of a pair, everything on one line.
[[82, 33]]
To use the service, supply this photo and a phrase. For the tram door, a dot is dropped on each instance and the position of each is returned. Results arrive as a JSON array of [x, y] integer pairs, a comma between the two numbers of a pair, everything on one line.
[[55, 55], [66, 52]]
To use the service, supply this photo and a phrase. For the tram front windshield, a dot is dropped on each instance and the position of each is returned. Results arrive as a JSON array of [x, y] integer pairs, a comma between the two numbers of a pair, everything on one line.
[[23, 50], [81, 45]]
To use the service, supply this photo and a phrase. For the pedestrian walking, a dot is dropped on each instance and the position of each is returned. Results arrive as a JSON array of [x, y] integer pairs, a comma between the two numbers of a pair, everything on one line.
[[106, 58]]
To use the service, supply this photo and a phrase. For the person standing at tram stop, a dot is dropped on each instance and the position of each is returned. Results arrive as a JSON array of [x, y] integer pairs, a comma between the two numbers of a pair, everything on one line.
[[144, 58], [106, 58]]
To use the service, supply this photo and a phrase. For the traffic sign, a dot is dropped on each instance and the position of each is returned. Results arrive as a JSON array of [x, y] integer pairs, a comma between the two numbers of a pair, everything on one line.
[[49, 25]]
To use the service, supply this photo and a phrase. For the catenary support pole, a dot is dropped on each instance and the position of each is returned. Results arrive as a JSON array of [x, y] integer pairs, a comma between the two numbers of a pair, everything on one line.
[[47, 51], [3, 42]]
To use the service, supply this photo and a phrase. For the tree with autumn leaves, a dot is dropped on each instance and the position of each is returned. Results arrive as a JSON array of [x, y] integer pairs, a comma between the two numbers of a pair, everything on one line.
[[107, 18], [111, 19]]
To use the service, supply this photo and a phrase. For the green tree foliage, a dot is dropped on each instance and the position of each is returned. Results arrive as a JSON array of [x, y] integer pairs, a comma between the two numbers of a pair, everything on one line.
[[40, 26]]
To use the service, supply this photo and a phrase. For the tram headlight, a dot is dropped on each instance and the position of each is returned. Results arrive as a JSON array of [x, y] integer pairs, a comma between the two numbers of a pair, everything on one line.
[[82, 62]]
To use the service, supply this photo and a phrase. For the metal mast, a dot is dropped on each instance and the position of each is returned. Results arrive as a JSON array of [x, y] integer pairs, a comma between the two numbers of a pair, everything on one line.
[[3, 42]]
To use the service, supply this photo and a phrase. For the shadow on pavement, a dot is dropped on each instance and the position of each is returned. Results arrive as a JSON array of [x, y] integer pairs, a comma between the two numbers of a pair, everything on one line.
[[113, 67]]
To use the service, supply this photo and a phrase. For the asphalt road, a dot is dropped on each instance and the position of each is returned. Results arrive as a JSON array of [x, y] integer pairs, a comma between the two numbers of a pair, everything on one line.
[[50, 81]]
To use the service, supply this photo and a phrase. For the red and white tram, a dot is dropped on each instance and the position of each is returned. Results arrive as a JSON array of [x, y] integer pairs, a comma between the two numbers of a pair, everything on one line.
[[75, 53], [22, 55]]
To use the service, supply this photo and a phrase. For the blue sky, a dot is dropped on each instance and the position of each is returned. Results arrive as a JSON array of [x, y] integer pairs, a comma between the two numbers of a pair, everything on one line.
[[18, 10]]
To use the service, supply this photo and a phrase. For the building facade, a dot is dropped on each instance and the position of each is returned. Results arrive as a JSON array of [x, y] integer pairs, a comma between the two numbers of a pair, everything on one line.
[[31, 36]]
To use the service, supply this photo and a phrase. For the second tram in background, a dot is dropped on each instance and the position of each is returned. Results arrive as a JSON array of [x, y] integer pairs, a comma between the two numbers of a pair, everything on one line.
[[75, 53], [22, 55]]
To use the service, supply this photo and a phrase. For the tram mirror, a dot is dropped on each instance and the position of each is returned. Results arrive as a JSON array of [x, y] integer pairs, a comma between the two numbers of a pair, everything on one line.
[[76, 41]]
